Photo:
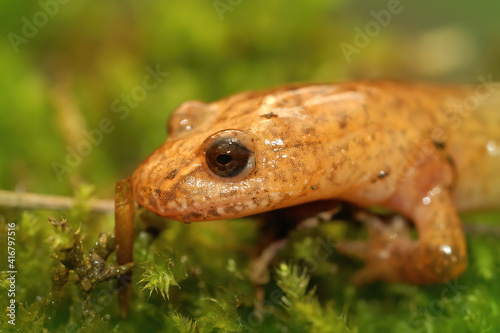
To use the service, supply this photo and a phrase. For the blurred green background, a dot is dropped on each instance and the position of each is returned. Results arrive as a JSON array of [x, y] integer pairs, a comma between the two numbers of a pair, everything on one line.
[[73, 69], [61, 76]]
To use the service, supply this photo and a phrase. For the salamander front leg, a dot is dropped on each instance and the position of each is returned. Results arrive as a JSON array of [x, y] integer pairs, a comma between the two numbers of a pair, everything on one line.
[[386, 240], [439, 254]]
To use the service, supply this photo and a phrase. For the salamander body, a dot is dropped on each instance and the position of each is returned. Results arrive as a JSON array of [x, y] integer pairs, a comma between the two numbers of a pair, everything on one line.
[[424, 151]]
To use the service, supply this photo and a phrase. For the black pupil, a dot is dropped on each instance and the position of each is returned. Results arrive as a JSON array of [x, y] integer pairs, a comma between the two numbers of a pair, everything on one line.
[[223, 159], [227, 157]]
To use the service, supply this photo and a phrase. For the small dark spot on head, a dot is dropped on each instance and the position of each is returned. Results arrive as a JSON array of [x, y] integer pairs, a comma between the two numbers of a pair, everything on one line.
[[342, 123], [382, 174], [308, 130], [451, 161], [269, 115], [439, 144], [313, 188], [172, 173]]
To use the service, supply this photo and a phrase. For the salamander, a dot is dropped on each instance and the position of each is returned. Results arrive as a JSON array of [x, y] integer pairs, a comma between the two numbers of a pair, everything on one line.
[[423, 151]]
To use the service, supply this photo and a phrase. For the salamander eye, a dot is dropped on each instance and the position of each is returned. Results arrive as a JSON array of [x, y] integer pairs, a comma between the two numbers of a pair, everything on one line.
[[227, 157]]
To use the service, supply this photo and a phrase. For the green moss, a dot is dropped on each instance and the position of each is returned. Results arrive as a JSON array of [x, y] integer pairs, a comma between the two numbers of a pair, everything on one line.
[[159, 278], [209, 263], [305, 313], [183, 325]]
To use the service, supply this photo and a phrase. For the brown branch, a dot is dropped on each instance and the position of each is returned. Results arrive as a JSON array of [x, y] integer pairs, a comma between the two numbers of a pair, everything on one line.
[[23, 200], [50, 202], [482, 229]]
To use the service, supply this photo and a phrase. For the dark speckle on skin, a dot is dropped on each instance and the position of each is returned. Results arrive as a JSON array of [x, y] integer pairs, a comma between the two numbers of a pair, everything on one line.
[[269, 115], [213, 212], [439, 145], [227, 194], [172, 174], [450, 160], [230, 210], [382, 174], [343, 122], [192, 216]]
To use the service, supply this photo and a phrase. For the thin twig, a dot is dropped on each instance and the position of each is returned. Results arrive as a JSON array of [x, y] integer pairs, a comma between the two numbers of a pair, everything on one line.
[[25, 200], [482, 229]]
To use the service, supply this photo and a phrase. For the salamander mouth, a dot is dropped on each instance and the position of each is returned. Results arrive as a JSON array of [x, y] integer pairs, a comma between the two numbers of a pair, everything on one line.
[[170, 204], [221, 212], [230, 208], [190, 210]]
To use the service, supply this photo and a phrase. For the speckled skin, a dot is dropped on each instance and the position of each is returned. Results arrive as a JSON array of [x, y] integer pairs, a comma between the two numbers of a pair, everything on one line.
[[422, 150]]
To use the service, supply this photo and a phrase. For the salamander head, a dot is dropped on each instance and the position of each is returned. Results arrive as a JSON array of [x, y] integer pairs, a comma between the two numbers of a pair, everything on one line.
[[240, 156]]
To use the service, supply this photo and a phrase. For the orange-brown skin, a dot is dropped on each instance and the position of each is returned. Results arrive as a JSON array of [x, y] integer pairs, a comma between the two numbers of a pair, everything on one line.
[[421, 150]]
